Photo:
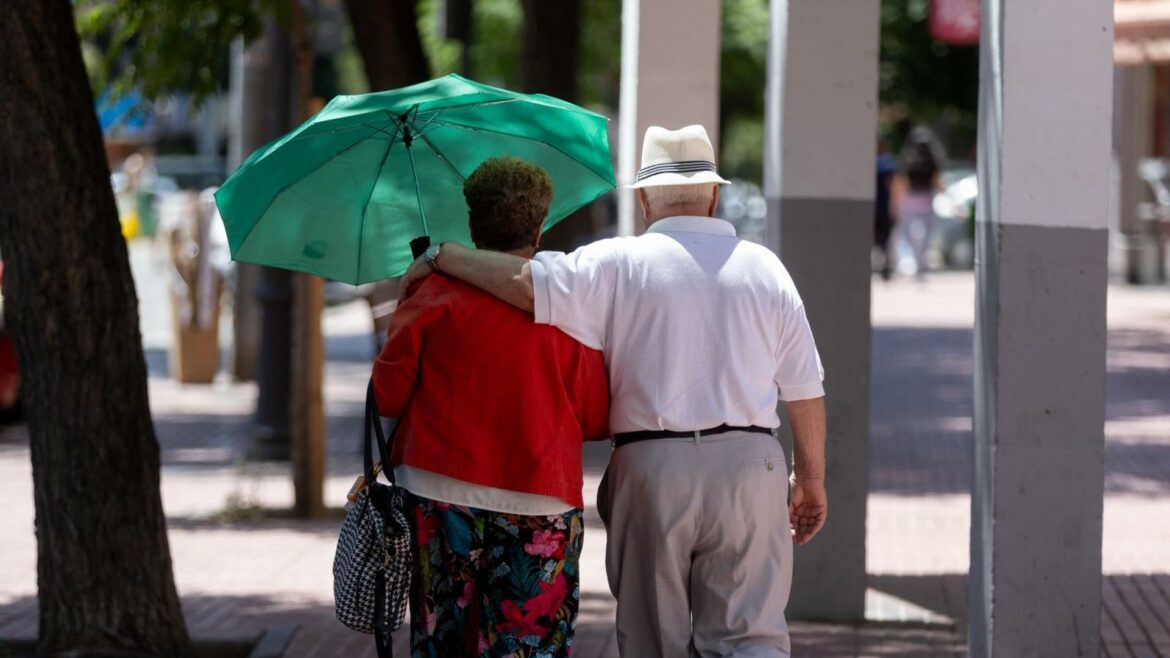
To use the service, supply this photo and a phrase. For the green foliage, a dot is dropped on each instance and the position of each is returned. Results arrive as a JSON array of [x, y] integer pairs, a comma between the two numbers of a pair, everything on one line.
[[160, 46], [742, 72], [742, 150], [442, 53], [921, 79], [496, 46], [495, 53], [601, 64], [347, 63], [743, 67]]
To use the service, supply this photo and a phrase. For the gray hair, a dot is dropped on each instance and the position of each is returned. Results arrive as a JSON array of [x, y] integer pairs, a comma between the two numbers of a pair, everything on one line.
[[667, 200]]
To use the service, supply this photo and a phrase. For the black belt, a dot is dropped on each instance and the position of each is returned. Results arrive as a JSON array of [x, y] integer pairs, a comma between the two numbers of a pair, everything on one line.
[[623, 438]]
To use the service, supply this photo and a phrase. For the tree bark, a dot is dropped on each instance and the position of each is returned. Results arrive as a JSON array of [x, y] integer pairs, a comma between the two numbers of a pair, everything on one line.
[[103, 562], [307, 422], [282, 111], [386, 35], [550, 64], [551, 55]]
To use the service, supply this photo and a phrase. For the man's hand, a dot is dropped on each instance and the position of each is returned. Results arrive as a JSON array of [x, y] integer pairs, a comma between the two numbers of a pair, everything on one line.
[[809, 509], [501, 275], [417, 271]]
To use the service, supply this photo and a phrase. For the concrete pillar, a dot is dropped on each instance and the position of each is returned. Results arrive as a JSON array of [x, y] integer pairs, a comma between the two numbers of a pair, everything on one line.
[[670, 78], [1042, 241], [819, 176]]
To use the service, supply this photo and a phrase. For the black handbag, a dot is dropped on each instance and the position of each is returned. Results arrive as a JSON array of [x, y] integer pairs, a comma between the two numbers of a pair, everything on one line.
[[371, 569]]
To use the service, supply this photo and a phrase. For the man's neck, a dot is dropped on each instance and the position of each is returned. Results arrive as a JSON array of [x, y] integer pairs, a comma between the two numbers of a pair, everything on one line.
[[650, 221]]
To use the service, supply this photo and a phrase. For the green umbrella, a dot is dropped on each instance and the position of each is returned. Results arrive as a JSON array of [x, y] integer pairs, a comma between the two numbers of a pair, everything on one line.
[[343, 195]]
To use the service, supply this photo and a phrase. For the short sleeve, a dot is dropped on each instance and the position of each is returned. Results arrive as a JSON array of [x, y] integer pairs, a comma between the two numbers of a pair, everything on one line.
[[574, 292], [799, 374]]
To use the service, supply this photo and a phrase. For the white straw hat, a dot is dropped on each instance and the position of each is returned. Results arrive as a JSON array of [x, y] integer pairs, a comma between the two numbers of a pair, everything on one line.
[[677, 157]]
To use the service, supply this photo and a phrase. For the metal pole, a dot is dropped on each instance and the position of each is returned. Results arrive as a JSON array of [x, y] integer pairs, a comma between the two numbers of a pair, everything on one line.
[[773, 119], [628, 117]]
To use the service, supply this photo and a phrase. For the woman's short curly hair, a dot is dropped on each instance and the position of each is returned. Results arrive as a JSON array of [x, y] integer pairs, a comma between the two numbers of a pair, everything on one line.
[[507, 200]]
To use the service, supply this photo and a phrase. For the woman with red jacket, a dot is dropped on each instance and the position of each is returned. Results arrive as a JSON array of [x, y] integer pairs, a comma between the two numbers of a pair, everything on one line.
[[493, 411]]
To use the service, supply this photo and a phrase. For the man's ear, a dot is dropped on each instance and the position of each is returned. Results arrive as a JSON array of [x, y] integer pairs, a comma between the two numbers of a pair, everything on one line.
[[539, 235], [714, 202], [643, 203]]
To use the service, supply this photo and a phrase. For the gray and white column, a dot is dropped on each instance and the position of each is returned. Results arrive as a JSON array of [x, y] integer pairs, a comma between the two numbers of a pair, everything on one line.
[[670, 78], [821, 123], [1044, 170]]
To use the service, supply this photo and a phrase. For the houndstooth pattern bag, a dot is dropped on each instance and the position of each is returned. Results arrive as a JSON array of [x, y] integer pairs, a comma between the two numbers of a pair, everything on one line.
[[371, 569]]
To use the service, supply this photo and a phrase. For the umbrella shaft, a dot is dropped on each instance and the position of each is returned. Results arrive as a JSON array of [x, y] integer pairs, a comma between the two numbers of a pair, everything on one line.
[[408, 140]]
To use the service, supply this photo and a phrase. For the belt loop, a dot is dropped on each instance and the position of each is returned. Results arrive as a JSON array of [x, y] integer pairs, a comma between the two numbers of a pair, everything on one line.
[[698, 433]]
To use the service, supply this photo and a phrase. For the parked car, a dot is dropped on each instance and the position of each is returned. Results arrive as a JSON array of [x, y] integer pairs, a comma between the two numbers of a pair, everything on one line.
[[955, 207], [10, 409]]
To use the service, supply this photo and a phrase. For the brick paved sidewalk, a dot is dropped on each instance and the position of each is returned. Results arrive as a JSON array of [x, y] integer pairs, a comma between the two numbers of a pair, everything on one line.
[[239, 578], [919, 514]]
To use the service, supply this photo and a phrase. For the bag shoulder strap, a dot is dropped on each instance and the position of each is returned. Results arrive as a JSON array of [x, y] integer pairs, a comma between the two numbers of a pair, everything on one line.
[[374, 434]]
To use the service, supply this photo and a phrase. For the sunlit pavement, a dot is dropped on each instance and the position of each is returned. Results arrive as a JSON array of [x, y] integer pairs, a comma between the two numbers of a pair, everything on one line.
[[238, 578]]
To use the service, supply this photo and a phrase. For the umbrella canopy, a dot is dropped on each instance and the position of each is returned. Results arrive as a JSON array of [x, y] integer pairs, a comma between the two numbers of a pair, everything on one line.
[[342, 195]]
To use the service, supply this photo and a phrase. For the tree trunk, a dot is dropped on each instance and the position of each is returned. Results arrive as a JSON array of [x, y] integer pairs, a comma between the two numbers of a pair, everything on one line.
[[551, 54], [103, 562], [549, 64], [386, 35], [307, 422]]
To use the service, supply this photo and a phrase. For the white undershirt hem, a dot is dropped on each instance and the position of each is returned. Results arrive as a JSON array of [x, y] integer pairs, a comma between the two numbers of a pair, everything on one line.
[[428, 484]]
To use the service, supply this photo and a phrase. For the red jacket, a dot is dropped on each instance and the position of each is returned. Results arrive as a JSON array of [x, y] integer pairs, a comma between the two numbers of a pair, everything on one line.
[[487, 396]]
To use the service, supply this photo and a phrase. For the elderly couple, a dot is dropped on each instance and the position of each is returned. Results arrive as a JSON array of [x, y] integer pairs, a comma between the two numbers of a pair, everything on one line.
[[679, 344]]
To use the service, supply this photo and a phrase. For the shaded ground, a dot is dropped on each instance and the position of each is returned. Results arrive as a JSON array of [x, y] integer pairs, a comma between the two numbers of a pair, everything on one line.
[[237, 579]]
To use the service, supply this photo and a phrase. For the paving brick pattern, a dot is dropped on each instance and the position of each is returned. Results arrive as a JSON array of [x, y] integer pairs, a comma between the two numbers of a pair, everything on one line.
[[237, 578]]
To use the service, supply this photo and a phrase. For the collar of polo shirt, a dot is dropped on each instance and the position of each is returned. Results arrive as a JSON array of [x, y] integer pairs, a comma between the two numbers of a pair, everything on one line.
[[692, 224]]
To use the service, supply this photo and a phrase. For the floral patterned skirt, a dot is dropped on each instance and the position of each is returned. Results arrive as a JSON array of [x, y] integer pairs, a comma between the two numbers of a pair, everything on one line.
[[493, 585]]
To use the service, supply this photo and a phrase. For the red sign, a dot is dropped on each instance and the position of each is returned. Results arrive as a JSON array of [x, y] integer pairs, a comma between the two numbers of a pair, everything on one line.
[[955, 22]]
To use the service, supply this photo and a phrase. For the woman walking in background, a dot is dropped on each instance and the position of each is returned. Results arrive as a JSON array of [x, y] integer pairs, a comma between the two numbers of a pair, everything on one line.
[[884, 218], [922, 162], [493, 411]]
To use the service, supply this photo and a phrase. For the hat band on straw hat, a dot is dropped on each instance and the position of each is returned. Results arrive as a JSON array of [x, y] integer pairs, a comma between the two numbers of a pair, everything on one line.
[[683, 167]]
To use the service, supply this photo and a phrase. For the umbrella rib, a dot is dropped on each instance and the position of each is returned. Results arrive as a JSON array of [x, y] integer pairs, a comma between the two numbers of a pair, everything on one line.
[[500, 101], [383, 130], [366, 205], [447, 162], [526, 99], [331, 131], [524, 138]]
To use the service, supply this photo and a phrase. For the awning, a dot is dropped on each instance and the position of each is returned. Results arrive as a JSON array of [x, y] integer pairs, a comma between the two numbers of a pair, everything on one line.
[[1141, 31]]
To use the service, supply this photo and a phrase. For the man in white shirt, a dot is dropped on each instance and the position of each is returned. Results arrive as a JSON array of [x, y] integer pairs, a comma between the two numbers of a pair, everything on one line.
[[703, 334]]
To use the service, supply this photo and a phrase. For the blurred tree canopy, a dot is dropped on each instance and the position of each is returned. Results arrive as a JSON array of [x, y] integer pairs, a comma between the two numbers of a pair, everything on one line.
[[921, 80], [162, 46], [743, 71], [159, 46]]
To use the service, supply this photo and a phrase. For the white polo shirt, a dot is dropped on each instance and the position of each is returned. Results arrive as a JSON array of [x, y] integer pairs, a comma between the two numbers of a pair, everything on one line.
[[698, 327]]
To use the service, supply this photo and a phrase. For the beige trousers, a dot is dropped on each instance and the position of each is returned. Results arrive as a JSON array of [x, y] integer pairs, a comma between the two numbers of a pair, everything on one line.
[[699, 553]]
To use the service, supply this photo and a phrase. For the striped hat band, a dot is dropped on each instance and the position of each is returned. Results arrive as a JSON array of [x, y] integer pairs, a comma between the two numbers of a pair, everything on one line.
[[683, 167]]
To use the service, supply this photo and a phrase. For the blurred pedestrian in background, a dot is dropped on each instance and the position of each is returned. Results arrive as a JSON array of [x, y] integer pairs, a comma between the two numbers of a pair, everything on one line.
[[884, 219], [913, 194]]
